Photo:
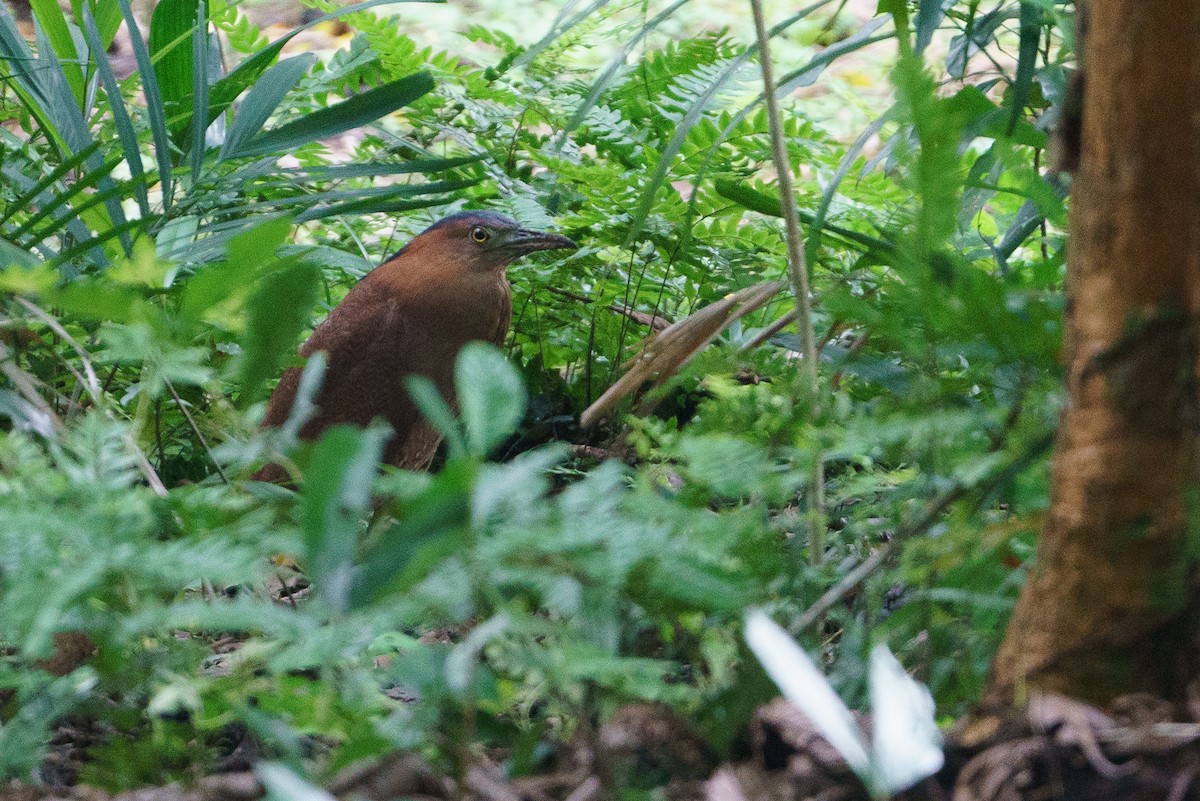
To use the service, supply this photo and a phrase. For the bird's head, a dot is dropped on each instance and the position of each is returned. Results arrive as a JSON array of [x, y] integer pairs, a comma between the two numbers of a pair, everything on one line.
[[484, 241]]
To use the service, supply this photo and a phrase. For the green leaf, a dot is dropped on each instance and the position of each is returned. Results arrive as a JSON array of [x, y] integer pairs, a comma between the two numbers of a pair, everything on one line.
[[262, 101], [226, 90], [337, 491], [671, 150], [356, 111], [198, 122], [1027, 53], [767, 203], [126, 134], [929, 16], [491, 396], [250, 253], [155, 110], [54, 23], [171, 27], [429, 528], [435, 409], [279, 309]]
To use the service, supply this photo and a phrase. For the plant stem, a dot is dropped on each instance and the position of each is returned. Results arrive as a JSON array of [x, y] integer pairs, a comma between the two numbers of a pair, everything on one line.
[[798, 275]]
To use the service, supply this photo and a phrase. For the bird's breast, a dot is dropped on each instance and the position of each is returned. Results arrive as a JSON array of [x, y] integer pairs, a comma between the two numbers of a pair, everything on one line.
[[461, 312]]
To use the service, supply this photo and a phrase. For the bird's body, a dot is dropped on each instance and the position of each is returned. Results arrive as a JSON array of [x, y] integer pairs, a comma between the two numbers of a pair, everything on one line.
[[411, 316]]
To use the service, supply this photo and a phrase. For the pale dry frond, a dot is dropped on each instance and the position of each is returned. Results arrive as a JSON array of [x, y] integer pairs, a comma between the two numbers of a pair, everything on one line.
[[663, 355]]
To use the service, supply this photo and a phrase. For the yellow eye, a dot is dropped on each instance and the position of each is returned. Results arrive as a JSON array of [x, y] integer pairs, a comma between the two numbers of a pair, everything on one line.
[[480, 234]]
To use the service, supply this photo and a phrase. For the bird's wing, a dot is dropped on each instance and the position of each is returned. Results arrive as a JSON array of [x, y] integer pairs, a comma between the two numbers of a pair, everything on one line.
[[367, 354]]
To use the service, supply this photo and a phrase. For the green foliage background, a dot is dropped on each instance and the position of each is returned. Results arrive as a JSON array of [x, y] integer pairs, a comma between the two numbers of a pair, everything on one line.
[[163, 264]]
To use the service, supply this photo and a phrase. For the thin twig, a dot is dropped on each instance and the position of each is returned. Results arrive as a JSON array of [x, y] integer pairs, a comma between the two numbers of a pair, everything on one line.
[[156, 484], [798, 274], [92, 383], [26, 385], [195, 429], [770, 331]]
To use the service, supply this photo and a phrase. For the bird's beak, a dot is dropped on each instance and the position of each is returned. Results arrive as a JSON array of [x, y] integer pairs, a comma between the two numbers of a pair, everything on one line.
[[526, 240]]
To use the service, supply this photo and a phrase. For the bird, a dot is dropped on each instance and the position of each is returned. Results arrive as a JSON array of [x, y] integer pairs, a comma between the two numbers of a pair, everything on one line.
[[410, 316]]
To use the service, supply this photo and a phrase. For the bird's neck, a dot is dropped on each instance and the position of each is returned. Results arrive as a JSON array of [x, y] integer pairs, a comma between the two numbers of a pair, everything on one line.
[[456, 306]]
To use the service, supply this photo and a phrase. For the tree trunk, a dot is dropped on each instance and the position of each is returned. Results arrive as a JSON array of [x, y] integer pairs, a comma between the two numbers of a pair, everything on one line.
[[1107, 607]]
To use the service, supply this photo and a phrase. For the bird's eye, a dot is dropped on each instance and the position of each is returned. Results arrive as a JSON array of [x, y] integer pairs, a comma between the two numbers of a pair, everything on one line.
[[480, 234]]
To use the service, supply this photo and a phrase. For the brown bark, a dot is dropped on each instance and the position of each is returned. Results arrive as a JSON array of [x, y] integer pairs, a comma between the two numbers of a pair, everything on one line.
[[1106, 609]]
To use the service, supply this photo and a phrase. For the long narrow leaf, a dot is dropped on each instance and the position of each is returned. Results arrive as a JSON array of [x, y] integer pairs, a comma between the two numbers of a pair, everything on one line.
[[74, 128], [52, 20], [227, 90], [1031, 35], [154, 105], [199, 121], [95, 242], [74, 227], [614, 65], [172, 24], [370, 206], [264, 98], [23, 78], [356, 111], [765, 203], [808, 74], [929, 16], [557, 30], [112, 191], [813, 243], [89, 180], [124, 125], [337, 172], [29, 196]]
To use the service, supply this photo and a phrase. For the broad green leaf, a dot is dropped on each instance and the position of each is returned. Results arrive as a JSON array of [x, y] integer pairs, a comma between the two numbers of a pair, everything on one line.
[[337, 492], [491, 397], [250, 254], [171, 30], [429, 528], [278, 310], [354, 112], [433, 406]]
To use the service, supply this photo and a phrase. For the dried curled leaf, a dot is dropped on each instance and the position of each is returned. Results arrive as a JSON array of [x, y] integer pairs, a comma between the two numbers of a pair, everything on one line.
[[662, 356]]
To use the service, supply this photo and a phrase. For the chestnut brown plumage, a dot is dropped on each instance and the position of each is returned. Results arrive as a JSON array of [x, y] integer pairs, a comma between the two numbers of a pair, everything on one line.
[[411, 316]]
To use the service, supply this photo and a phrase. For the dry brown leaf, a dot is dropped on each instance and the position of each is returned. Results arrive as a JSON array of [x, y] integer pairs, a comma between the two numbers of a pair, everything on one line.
[[662, 356]]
